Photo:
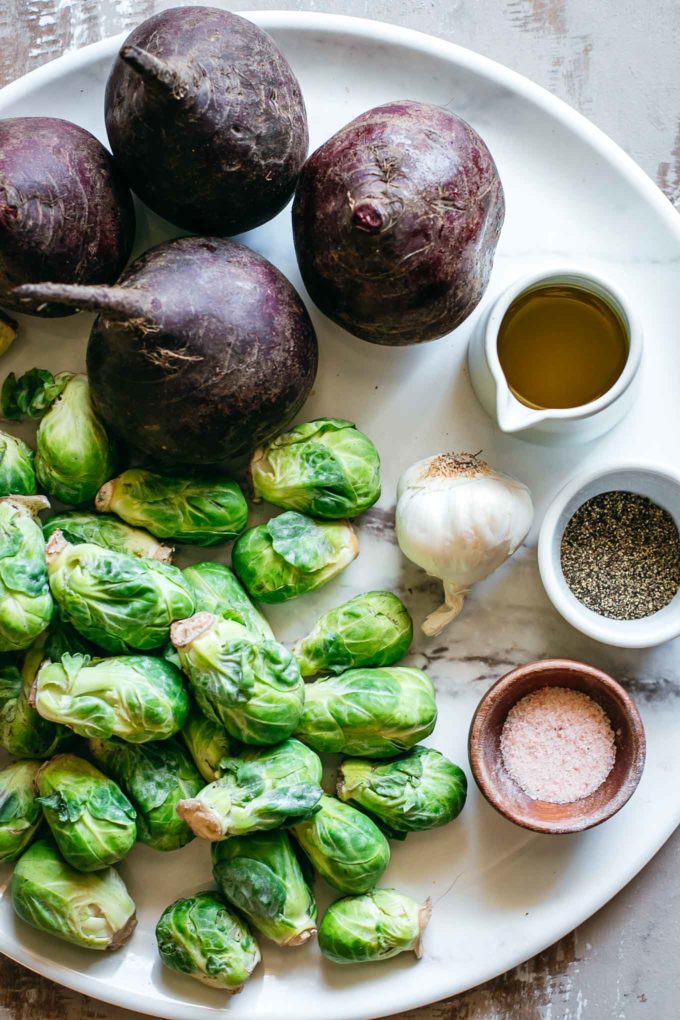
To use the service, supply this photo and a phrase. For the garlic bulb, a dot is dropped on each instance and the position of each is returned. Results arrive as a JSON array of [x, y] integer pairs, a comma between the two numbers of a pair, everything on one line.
[[459, 520]]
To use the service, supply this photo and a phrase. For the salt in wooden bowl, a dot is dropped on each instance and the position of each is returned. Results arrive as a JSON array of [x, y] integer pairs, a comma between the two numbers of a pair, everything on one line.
[[503, 793]]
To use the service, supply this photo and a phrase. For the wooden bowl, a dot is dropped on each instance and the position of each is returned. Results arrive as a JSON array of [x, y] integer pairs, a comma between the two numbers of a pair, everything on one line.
[[500, 789]]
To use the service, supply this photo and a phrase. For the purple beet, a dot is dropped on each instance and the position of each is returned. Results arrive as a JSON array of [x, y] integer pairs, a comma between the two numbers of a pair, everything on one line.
[[201, 352], [206, 119], [396, 220], [65, 212]]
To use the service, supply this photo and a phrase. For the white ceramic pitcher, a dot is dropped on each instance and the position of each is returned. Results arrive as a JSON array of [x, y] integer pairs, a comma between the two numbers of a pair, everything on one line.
[[556, 425]]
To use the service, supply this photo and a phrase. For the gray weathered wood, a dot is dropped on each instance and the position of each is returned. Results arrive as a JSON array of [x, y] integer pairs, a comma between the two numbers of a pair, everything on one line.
[[616, 61]]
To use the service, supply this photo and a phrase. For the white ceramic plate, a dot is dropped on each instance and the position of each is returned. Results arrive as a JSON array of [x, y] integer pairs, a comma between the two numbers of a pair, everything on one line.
[[500, 894]]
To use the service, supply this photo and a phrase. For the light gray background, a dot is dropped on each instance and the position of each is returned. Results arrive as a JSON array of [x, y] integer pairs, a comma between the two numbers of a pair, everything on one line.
[[617, 61]]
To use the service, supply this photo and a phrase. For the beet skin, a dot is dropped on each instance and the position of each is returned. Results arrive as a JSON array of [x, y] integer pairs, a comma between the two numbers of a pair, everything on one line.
[[65, 213], [396, 220], [202, 351], [206, 119]]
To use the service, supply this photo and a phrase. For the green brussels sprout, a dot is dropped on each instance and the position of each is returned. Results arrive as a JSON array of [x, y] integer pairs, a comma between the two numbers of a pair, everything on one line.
[[217, 591], [23, 732], [93, 911], [262, 789], [419, 790], [118, 601], [61, 638], [208, 744], [32, 394], [326, 468], [134, 697], [251, 687], [374, 713], [376, 926], [344, 845], [17, 472], [74, 453], [155, 777], [20, 812], [292, 554], [79, 526], [92, 821], [261, 876], [25, 602], [373, 629], [199, 511], [199, 936]]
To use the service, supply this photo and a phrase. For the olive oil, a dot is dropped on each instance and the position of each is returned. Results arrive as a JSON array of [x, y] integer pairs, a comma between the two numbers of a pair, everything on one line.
[[561, 346]]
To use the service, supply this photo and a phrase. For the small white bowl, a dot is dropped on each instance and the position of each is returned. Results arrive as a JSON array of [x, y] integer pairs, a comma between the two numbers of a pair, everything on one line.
[[662, 486]]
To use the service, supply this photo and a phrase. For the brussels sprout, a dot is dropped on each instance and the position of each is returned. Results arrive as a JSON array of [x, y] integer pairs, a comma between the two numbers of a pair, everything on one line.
[[381, 924], [134, 697], [344, 845], [118, 601], [375, 713], [20, 813], [61, 638], [420, 789], [78, 526], [217, 591], [92, 821], [74, 453], [23, 732], [199, 511], [326, 468], [25, 602], [32, 394], [292, 554], [92, 911], [156, 777], [252, 687], [208, 743], [373, 629], [262, 789], [200, 937], [261, 876], [17, 473]]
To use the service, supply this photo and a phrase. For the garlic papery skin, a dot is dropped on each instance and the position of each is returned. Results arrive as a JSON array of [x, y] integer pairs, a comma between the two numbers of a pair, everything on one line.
[[459, 520]]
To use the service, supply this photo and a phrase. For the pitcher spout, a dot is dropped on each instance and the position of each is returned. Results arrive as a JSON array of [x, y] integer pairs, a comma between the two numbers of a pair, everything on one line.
[[514, 416]]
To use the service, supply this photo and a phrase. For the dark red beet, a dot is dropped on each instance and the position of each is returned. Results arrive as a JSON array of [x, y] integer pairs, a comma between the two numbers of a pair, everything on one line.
[[202, 352], [65, 212], [206, 119], [396, 220]]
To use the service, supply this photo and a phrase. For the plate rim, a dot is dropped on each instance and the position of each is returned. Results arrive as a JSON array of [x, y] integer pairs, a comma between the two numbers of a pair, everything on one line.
[[596, 139]]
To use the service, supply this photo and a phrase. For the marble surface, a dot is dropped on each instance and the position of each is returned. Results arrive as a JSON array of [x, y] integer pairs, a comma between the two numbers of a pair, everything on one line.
[[556, 984]]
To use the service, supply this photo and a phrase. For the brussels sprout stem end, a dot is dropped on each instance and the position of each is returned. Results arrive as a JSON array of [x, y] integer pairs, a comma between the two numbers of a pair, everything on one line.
[[184, 632], [56, 544], [123, 934], [202, 820], [32, 505], [102, 501], [299, 938], [424, 915]]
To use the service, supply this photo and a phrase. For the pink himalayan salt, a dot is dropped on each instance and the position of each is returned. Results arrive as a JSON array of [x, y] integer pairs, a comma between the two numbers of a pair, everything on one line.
[[558, 745]]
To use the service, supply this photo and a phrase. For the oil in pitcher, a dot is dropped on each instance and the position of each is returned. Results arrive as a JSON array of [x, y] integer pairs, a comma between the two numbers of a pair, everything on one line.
[[561, 346]]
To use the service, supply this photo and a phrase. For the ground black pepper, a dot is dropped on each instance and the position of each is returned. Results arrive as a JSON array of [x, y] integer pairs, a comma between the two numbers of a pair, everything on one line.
[[620, 556]]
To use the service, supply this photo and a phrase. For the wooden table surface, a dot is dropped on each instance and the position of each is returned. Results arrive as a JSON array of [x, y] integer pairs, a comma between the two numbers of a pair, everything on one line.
[[617, 62]]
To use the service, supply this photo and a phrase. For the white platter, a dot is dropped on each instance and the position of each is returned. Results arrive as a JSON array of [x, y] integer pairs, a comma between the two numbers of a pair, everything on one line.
[[500, 894]]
